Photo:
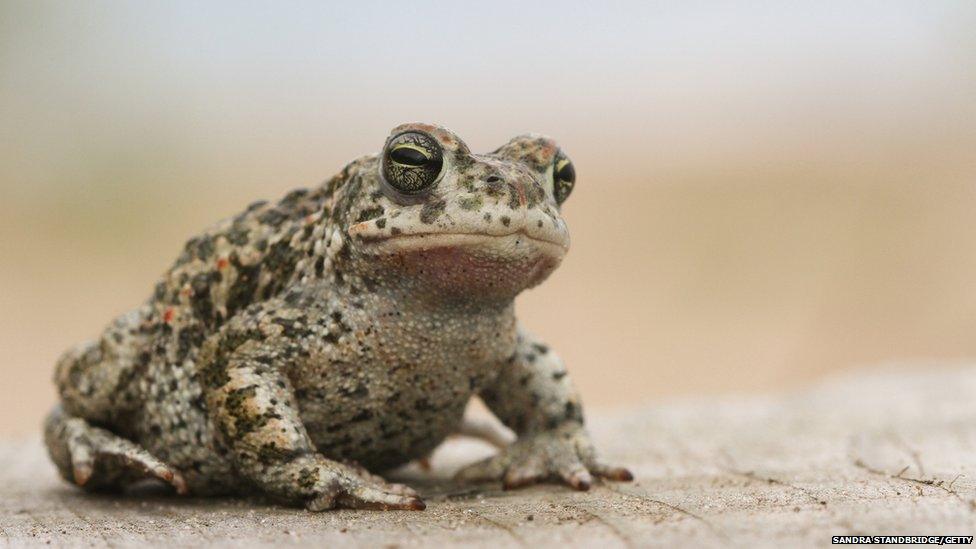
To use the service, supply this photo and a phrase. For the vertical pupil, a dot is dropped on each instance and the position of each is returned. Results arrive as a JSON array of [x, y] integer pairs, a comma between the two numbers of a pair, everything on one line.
[[408, 156]]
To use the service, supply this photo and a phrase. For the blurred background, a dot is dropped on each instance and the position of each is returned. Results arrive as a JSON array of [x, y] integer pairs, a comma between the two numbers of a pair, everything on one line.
[[768, 191]]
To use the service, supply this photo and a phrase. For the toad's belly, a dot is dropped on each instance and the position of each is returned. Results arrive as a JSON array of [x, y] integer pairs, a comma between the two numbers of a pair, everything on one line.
[[381, 433]]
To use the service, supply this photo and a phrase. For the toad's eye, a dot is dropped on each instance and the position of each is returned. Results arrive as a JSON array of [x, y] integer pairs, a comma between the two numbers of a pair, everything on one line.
[[412, 162], [408, 156], [563, 178]]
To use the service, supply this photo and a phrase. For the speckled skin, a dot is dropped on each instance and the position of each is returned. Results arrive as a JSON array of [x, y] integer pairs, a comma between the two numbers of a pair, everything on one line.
[[341, 330]]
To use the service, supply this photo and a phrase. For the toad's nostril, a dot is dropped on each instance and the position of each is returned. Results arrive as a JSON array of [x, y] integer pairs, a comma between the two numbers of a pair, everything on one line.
[[493, 179]]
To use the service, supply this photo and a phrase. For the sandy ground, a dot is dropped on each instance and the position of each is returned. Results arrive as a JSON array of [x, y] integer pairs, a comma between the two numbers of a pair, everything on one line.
[[885, 452]]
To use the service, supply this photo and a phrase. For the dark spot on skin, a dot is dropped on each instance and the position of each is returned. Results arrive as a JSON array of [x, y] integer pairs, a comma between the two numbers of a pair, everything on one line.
[[205, 248], [337, 181], [273, 217], [467, 183], [280, 260], [291, 328], [431, 211], [336, 317], [463, 162], [270, 453], [381, 222], [293, 297], [244, 288], [470, 203], [395, 231], [214, 372], [360, 391], [238, 235], [506, 220], [202, 304], [344, 253], [539, 224], [370, 213], [292, 198], [573, 412], [308, 477], [540, 348], [190, 337], [245, 420], [558, 375], [362, 416], [159, 294], [256, 204]]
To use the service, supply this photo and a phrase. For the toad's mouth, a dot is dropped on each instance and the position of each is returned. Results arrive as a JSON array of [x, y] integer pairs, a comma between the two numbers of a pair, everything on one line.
[[463, 263], [513, 243]]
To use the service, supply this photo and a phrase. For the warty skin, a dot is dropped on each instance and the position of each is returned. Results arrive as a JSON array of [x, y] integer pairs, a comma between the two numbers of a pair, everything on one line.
[[302, 346]]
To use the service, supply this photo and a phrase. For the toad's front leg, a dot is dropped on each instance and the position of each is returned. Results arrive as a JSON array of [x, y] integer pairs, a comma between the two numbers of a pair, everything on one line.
[[255, 412], [535, 398]]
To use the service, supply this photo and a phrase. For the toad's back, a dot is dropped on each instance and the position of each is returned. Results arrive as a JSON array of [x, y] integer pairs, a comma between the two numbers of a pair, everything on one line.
[[139, 379], [241, 260]]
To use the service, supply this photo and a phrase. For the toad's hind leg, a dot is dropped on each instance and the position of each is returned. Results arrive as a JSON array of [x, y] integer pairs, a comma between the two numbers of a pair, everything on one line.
[[97, 459], [97, 379]]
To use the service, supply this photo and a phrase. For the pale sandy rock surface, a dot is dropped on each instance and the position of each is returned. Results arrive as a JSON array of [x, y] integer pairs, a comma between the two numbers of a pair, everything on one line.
[[887, 451]]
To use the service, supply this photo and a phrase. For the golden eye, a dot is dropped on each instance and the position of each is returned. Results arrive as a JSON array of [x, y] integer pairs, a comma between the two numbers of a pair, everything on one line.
[[409, 155], [412, 162], [563, 178]]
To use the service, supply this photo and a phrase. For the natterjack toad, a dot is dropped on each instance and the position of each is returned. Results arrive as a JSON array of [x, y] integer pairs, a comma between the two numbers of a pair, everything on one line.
[[300, 345]]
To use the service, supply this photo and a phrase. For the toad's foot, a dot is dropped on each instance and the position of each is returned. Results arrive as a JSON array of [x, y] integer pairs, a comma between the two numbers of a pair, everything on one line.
[[391, 487], [564, 454], [335, 485], [97, 459]]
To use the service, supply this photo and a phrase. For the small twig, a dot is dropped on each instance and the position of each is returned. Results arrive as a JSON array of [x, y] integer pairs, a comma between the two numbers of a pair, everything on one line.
[[918, 481]]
